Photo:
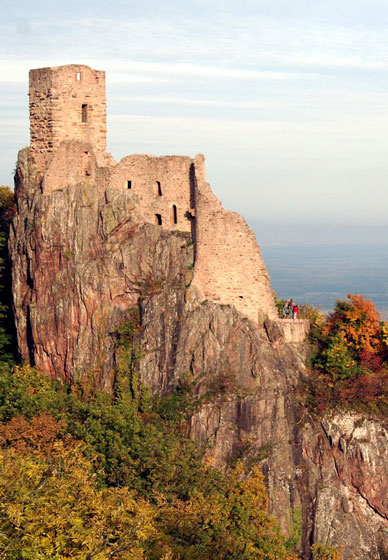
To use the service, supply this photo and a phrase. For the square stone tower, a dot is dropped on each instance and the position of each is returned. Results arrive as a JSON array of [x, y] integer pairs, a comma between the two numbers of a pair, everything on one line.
[[66, 103]]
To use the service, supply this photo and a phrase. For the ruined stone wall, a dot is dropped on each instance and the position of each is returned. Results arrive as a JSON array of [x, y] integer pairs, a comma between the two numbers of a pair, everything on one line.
[[229, 268], [68, 146], [164, 186], [66, 102]]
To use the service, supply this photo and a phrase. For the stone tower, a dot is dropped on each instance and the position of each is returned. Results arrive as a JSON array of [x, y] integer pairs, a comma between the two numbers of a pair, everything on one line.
[[66, 103]]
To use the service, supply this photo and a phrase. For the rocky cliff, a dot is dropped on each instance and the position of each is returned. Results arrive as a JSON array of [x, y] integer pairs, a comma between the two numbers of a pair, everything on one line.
[[83, 260]]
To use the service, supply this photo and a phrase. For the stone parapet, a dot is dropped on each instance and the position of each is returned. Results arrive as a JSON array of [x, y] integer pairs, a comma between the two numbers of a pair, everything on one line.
[[295, 330], [287, 330]]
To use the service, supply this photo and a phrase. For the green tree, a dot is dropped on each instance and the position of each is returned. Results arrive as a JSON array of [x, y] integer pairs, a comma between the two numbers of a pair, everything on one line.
[[7, 211]]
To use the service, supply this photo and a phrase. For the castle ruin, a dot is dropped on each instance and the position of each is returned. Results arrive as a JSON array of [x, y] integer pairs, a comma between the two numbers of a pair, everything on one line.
[[68, 143], [68, 148]]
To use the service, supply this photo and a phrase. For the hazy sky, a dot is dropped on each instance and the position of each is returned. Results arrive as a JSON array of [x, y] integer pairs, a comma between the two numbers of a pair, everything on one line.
[[288, 100]]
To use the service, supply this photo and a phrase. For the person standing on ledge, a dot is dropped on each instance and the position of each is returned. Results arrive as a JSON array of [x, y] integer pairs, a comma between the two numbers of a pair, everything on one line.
[[295, 311]]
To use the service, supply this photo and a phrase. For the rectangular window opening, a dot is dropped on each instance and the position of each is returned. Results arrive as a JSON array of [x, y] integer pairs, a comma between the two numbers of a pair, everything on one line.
[[84, 112], [159, 188], [129, 184], [174, 214], [78, 76], [158, 219]]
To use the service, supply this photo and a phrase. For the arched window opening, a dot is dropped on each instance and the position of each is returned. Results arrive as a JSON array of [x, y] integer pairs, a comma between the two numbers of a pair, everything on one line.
[[84, 112], [174, 214], [158, 188], [158, 219], [129, 184]]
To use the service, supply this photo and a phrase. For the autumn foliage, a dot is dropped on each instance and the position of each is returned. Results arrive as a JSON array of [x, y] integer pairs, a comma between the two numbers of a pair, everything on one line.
[[357, 323], [113, 477], [350, 363]]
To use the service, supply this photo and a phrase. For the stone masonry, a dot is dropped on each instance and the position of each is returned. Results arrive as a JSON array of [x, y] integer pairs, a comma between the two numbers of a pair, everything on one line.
[[68, 145], [66, 102]]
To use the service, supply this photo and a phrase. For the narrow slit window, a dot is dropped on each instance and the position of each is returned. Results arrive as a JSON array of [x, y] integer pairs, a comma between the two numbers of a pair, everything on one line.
[[78, 76], [84, 112], [158, 219], [174, 214], [87, 164], [158, 188], [129, 184]]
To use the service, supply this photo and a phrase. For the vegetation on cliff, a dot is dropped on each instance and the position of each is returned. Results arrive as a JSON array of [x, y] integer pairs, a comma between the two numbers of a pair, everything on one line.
[[88, 475], [7, 211], [113, 477], [350, 358]]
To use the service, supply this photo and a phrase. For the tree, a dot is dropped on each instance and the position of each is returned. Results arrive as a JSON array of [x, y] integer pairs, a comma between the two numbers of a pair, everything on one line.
[[324, 552], [357, 322], [233, 524], [51, 508], [7, 212]]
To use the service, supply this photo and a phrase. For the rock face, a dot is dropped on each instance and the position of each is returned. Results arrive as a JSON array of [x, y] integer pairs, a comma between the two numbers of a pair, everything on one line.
[[82, 262], [334, 471], [347, 466]]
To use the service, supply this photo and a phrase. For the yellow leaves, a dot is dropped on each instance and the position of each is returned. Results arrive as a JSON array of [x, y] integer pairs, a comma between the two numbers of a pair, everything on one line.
[[233, 523], [324, 552], [51, 507], [384, 333]]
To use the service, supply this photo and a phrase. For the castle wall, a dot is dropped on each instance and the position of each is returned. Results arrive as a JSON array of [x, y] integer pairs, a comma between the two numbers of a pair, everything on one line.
[[164, 186], [74, 162], [229, 268], [66, 103]]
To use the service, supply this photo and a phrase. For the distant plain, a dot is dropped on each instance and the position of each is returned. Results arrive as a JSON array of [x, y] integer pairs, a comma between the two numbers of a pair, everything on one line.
[[320, 275]]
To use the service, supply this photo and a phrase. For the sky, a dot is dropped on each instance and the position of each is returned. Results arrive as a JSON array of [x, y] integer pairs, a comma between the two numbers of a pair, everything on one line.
[[288, 100]]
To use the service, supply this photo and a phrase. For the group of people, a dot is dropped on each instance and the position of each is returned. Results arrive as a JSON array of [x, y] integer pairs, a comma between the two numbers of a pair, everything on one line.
[[290, 309]]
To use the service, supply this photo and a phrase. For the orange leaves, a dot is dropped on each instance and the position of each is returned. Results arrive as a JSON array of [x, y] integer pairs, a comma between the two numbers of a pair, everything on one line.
[[25, 435], [357, 322]]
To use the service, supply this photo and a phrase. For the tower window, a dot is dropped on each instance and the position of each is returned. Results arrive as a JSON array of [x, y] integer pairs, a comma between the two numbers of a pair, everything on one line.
[[174, 214], [84, 113], [78, 76], [129, 184], [158, 188], [158, 219]]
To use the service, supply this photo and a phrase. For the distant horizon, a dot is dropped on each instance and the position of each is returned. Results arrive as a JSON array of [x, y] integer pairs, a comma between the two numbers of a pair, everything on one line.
[[288, 101], [279, 234], [319, 275]]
